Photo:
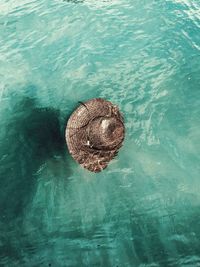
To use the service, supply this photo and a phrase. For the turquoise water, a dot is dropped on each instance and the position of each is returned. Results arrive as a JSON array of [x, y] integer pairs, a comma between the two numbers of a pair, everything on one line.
[[144, 209]]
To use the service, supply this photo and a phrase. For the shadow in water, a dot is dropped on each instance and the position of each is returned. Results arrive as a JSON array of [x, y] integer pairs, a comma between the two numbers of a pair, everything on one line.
[[32, 135]]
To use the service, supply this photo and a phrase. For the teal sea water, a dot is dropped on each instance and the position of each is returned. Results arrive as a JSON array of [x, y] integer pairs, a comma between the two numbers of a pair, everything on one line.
[[144, 209]]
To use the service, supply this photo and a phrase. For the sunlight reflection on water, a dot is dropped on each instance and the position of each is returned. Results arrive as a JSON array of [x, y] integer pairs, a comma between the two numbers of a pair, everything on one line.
[[143, 210]]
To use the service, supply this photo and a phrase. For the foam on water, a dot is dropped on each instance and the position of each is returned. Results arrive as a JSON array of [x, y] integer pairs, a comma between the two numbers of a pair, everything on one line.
[[143, 210]]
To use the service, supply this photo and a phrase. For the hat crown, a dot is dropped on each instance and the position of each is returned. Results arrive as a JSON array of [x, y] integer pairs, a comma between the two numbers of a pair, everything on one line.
[[105, 132]]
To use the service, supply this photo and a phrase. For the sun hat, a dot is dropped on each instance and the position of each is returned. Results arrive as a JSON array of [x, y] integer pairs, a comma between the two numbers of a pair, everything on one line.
[[94, 133]]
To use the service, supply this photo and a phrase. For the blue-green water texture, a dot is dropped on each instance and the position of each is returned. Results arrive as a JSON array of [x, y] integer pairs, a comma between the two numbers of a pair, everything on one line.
[[144, 209]]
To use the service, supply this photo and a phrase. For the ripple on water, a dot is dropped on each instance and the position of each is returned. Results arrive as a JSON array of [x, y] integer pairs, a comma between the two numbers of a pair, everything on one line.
[[143, 210]]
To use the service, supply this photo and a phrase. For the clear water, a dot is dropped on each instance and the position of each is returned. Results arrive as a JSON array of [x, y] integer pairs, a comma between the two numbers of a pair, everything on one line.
[[144, 209]]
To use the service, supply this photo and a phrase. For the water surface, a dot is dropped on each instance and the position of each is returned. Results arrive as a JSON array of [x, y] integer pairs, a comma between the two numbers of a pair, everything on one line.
[[144, 209]]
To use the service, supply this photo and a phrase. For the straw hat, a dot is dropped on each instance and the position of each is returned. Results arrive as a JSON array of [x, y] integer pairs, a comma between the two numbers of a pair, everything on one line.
[[94, 133]]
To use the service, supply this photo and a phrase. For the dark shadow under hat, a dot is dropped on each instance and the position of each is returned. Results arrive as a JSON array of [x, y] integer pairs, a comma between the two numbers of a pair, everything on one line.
[[94, 133]]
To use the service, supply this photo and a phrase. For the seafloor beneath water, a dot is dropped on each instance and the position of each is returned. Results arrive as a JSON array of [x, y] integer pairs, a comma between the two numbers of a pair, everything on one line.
[[144, 209]]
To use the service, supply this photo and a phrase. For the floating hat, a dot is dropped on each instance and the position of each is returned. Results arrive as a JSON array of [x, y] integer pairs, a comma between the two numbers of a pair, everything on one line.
[[94, 133]]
